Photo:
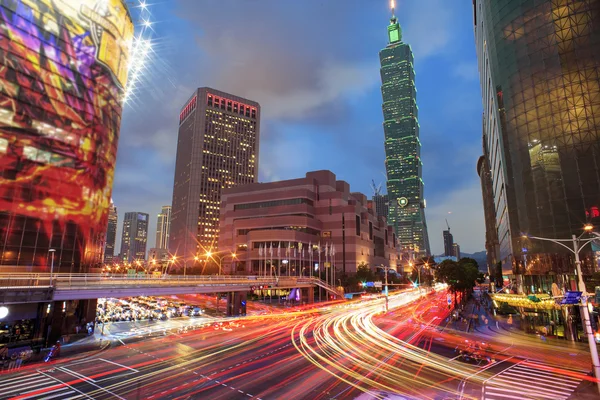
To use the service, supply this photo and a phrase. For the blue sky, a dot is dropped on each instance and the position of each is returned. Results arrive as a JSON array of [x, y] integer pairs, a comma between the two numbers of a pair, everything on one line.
[[313, 66]]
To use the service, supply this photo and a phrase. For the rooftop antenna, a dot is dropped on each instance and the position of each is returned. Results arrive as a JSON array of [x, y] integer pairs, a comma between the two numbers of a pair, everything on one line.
[[393, 6]]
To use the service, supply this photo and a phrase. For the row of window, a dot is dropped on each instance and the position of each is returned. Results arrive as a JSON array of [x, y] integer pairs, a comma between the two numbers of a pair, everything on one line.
[[272, 203], [231, 106]]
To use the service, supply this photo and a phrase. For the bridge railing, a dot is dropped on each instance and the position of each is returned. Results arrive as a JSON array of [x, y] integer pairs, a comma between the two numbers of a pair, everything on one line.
[[67, 281]]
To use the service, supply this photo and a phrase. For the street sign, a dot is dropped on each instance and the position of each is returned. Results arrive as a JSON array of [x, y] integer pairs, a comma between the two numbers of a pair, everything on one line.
[[378, 284], [370, 284], [571, 298]]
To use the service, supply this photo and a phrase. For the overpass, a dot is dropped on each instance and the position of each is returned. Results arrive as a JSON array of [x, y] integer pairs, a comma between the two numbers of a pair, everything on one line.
[[41, 287]]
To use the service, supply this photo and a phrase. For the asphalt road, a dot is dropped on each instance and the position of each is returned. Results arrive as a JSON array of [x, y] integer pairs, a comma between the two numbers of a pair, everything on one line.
[[338, 351]]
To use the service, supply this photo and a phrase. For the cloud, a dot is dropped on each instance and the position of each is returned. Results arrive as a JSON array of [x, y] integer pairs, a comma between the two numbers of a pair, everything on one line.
[[466, 70], [464, 210], [428, 26]]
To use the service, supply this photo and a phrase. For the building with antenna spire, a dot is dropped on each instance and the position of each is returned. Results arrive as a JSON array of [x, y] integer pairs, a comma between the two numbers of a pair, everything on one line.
[[402, 146]]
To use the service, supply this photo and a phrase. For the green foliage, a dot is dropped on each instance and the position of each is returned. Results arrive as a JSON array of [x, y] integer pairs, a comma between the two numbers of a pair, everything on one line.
[[460, 276], [364, 273]]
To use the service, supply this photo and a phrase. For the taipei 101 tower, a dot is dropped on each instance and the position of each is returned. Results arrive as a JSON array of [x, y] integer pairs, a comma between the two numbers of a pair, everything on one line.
[[402, 146]]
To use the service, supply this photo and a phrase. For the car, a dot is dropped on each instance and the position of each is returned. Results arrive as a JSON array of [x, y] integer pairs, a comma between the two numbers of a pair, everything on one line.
[[196, 312]]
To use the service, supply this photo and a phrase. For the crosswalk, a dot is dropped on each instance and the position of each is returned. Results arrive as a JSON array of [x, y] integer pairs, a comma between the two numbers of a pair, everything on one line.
[[36, 386], [531, 380]]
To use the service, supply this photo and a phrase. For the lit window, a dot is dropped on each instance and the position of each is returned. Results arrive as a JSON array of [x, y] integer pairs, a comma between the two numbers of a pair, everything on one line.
[[30, 153]]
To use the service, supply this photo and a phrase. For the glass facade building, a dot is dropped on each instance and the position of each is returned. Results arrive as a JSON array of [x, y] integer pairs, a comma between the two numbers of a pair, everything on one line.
[[134, 237], [64, 67], [163, 226], [111, 234], [217, 148], [402, 146], [539, 64]]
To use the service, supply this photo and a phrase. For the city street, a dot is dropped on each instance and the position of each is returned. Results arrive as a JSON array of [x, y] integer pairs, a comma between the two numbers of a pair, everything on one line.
[[342, 350]]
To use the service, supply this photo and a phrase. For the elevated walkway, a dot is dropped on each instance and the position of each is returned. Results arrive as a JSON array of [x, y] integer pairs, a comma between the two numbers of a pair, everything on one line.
[[34, 287]]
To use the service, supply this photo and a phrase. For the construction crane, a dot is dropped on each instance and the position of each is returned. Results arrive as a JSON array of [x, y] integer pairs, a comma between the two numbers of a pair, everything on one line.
[[447, 224], [376, 188]]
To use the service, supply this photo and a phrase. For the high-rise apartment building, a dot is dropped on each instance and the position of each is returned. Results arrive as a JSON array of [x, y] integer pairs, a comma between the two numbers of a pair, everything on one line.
[[402, 145], [217, 148], [111, 234], [163, 226], [448, 242], [539, 65], [134, 237]]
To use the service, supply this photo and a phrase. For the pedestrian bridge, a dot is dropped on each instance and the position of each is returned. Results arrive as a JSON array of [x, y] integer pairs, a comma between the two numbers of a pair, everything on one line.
[[38, 287]]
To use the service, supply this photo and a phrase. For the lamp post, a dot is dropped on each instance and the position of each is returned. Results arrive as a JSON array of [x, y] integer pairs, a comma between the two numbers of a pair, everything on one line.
[[215, 257], [385, 268], [52, 251], [579, 244]]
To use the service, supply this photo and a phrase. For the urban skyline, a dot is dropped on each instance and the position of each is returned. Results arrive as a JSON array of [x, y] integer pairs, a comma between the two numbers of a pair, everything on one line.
[[295, 119]]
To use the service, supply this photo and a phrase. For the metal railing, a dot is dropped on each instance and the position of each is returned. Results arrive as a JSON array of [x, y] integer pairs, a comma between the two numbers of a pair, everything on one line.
[[65, 281]]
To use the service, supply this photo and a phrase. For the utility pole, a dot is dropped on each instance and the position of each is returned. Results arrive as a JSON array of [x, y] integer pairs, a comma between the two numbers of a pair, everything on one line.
[[585, 314]]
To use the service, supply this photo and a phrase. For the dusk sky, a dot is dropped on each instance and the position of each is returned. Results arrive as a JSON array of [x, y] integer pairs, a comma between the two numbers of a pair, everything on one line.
[[313, 65]]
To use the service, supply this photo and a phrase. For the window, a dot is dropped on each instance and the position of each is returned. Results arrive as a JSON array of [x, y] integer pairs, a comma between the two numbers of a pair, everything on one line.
[[273, 203], [357, 225], [29, 153]]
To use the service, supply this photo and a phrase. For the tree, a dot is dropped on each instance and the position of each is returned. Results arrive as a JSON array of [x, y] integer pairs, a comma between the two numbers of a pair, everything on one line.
[[460, 276]]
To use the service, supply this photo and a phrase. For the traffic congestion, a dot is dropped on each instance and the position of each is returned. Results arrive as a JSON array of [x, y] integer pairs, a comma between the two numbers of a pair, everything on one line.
[[144, 308]]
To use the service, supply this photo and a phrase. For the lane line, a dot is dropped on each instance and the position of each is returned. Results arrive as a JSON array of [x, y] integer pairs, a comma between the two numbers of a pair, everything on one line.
[[120, 365]]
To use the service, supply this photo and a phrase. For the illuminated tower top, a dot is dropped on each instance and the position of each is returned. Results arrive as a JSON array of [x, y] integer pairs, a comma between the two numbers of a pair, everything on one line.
[[394, 30]]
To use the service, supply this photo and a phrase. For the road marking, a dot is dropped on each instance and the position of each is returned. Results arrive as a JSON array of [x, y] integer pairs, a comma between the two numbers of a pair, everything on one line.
[[120, 365], [65, 384], [89, 381]]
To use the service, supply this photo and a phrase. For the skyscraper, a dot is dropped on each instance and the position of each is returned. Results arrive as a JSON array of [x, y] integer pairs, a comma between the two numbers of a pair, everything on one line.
[[134, 237], [217, 148], [380, 202], [539, 64], [163, 226], [448, 242], [402, 145], [111, 234], [456, 251]]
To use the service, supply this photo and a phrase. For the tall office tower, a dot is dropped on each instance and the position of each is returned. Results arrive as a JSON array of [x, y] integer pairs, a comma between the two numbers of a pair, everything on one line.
[[217, 148], [381, 205], [163, 226], [134, 237], [456, 251], [402, 145], [63, 79], [448, 242], [539, 65], [111, 234]]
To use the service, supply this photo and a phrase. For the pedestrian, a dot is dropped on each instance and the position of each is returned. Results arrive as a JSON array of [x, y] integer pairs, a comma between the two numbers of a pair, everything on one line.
[[77, 329]]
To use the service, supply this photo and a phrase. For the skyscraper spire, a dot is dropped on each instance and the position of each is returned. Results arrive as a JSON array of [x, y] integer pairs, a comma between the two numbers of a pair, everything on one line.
[[394, 31]]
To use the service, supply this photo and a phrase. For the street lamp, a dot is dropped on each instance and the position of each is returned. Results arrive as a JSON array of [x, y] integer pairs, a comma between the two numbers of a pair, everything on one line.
[[578, 245], [52, 264], [386, 268]]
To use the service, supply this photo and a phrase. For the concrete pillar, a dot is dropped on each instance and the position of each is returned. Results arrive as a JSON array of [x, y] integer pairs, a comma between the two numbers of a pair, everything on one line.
[[236, 303], [311, 295]]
